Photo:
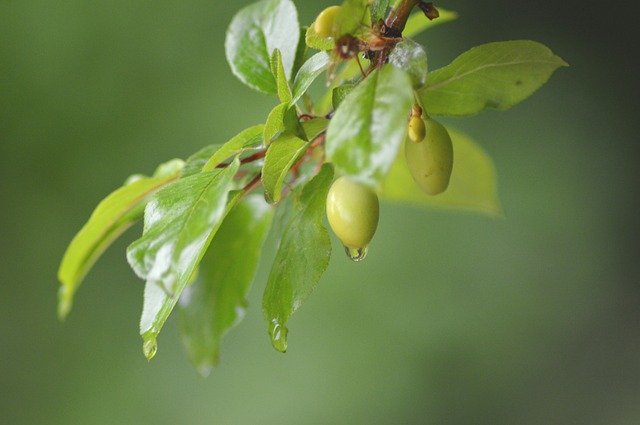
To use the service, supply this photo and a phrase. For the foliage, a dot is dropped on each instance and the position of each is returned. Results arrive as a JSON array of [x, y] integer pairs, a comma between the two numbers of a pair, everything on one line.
[[204, 226]]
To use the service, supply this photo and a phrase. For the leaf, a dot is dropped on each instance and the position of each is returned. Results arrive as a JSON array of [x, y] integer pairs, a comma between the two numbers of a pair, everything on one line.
[[473, 184], [254, 33], [314, 127], [196, 161], [113, 215], [351, 16], [367, 129], [216, 301], [247, 138], [169, 168], [301, 52], [494, 75], [348, 74], [309, 71], [179, 223], [417, 22], [283, 118], [340, 93], [379, 9], [281, 156], [277, 69], [301, 259], [314, 41], [411, 57]]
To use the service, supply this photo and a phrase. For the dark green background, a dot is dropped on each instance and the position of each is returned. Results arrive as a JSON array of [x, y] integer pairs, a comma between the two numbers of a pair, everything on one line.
[[453, 319]]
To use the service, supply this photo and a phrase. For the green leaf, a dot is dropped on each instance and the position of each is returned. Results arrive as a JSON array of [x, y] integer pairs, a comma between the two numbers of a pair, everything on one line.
[[301, 52], [411, 57], [379, 9], [281, 156], [314, 41], [179, 223], [494, 75], [115, 214], [283, 118], [302, 257], [340, 93], [348, 74], [351, 16], [314, 127], [309, 71], [244, 140], [473, 184], [169, 168], [254, 33], [367, 129], [216, 301], [417, 22], [196, 161], [277, 69]]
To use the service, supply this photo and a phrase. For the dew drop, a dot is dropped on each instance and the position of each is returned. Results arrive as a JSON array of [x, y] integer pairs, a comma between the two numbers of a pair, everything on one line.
[[356, 254], [149, 346], [278, 335]]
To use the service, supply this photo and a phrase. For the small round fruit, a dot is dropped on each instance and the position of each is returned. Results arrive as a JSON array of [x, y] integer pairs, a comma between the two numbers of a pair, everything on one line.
[[416, 129], [324, 23], [352, 211], [431, 161]]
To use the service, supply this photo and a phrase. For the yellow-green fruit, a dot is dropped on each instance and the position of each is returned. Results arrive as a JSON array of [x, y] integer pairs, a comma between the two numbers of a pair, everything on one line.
[[323, 26], [431, 161], [352, 211], [416, 129]]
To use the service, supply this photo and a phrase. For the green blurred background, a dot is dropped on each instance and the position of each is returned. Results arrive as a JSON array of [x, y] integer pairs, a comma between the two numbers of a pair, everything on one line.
[[453, 319]]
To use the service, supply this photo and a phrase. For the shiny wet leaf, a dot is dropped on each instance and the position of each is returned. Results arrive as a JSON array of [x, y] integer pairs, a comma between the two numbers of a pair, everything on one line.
[[217, 300], [302, 257], [179, 223]]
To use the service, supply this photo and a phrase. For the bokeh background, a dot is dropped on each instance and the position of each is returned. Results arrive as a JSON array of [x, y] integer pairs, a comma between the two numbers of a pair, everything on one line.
[[453, 319]]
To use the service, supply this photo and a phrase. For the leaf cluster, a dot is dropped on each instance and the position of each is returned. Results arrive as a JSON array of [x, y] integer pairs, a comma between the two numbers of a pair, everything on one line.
[[204, 224]]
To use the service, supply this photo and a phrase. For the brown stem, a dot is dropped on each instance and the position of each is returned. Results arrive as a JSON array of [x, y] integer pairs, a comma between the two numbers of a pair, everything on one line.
[[306, 117], [397, 18], [253, 183], [364, 74], [256, 156]]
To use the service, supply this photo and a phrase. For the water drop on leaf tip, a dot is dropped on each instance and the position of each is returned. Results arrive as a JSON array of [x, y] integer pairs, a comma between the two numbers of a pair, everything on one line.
[[278, 335], [150, 347]]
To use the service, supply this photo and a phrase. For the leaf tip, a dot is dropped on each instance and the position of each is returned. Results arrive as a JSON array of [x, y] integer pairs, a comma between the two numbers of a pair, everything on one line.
[[65, 302], [452, 14], [496, 212]]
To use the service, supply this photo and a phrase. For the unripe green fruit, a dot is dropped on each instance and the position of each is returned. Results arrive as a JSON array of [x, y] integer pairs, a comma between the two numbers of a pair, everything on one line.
[[431, 161], [416, 129], [352, 211], [323, 26]]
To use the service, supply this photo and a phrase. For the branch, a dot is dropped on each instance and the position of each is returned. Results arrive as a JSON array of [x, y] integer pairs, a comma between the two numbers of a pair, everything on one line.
[[397, 18]]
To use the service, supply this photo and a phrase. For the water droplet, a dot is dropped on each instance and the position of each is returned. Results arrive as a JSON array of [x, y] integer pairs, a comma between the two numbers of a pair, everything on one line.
[[149, 346], [204, 369], [356, 254], [278, 334]]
